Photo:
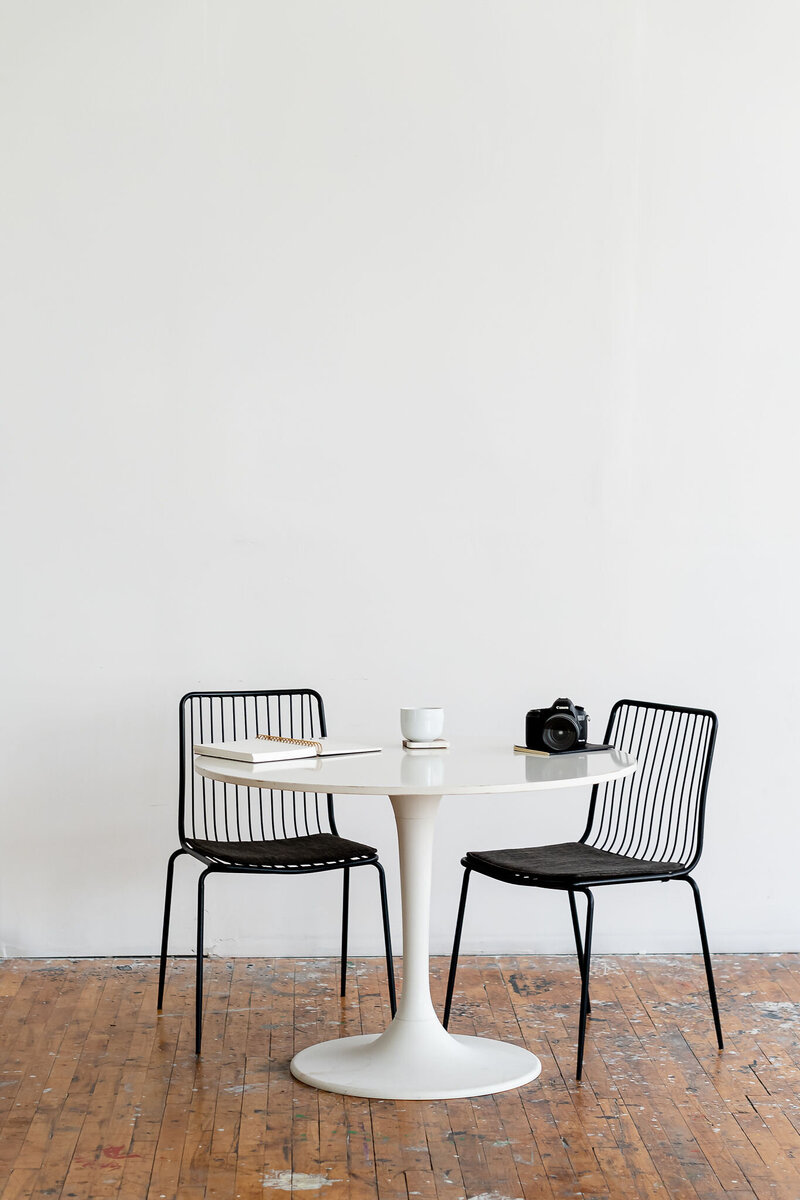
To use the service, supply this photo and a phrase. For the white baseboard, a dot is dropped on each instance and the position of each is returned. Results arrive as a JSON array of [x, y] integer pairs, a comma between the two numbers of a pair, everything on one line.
[[765, 942]]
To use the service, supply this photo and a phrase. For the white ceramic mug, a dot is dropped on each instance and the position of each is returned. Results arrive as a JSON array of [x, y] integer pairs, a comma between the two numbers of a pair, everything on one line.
[[422, 724]]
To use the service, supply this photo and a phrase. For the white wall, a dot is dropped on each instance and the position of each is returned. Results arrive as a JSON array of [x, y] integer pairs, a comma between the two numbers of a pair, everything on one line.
[[434, 351]]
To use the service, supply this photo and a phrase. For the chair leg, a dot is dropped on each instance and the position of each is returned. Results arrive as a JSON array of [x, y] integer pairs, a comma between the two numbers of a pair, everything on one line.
[[576, 929], [387, 938], [345, 922], [198, 991], [712, 991], [162, 966], [451, 979], [587, 958]]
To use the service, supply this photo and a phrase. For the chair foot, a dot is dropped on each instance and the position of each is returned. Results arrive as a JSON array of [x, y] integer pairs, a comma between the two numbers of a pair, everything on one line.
[[712, 991], [587, 958], [198, 993], [345, 922], [387, 939], [162, 966], [451, 978]]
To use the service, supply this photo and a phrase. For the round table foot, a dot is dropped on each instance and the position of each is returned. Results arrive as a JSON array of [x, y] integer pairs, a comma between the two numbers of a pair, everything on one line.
[[415, 1061]]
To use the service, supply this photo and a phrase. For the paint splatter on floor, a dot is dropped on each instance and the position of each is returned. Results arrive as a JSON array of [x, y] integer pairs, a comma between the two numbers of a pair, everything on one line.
[[297, 1181], [490, 1196]]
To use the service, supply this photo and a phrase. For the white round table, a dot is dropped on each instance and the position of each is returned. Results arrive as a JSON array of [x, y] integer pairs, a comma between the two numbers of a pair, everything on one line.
[[416, 1058]]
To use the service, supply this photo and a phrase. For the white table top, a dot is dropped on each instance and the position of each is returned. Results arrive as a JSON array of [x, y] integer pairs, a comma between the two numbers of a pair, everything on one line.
[[471, 766]]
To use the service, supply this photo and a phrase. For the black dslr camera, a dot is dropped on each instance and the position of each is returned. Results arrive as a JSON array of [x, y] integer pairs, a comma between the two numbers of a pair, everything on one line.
[[563, 726]]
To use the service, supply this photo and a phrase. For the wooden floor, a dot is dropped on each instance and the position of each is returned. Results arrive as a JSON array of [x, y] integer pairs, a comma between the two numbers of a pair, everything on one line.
[[99, 1098]]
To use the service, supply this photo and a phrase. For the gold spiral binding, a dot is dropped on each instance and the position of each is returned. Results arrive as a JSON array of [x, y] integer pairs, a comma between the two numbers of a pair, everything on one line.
[[273, 737]]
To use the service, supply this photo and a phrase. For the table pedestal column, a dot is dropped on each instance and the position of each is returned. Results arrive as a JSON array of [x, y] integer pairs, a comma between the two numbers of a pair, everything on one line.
[[415, 1058]]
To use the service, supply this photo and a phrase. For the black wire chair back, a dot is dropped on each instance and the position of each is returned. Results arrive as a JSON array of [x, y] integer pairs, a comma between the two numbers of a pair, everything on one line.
[[222, 812], [658, 813]]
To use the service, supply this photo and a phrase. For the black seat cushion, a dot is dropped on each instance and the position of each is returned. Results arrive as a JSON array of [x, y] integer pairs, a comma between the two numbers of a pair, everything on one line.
[[567, 862], [314, 850]]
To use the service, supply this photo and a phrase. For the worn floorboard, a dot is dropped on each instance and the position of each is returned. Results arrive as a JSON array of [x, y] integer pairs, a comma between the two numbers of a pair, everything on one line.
[[100, 1098]]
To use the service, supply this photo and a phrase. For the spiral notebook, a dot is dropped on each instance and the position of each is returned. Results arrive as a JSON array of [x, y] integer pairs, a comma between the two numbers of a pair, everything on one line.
[[270, 748]]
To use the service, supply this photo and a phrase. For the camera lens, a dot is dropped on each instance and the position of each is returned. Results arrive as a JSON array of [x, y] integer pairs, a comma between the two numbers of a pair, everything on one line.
[[560, 732]]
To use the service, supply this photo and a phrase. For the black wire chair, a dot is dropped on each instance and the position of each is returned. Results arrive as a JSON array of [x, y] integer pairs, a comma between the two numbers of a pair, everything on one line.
[[643, 828], [258, 831]]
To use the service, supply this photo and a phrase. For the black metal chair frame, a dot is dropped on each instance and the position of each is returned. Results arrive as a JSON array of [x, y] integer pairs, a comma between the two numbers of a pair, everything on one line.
[[302, 716], [607, 804]]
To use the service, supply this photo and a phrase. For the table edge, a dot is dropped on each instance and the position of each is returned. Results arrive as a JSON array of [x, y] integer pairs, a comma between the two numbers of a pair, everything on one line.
[[276, 784]]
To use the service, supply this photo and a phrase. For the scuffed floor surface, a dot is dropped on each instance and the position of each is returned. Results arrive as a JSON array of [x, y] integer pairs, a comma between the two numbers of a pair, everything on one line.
[[100, 1098]]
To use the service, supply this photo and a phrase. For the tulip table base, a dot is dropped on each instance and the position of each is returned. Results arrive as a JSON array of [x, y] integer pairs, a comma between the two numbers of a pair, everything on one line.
[[407, 1063], [416, 1058]]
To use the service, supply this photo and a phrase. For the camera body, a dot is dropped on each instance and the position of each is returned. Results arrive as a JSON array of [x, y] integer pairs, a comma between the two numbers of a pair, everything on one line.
[[563, 726]]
